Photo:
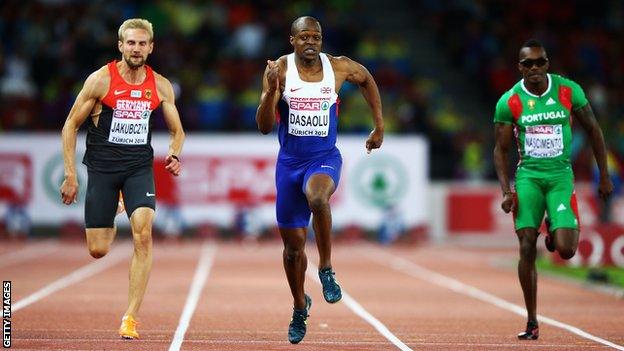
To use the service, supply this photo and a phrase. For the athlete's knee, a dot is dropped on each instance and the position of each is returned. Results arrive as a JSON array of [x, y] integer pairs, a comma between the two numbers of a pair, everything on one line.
[[142, 240], [528, 249], [98, 251], [567, 253], [317, 203], [293, 253]]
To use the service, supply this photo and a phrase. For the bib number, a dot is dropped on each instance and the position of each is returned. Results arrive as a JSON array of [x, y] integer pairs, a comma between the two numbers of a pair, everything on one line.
[[129, 127], [302, 124], [543, 141]]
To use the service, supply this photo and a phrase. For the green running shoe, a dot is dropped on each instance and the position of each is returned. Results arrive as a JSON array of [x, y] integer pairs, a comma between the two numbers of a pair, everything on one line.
[[331, 289], [298, 322]]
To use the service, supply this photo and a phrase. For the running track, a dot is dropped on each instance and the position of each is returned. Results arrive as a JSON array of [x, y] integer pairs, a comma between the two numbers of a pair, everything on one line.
[[226, 296]]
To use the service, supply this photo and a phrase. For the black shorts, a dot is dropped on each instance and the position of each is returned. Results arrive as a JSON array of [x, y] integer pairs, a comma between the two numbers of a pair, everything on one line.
[[103, 189]]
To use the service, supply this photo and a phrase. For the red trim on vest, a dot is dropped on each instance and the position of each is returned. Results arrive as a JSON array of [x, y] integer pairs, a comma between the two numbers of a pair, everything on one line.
[[565, 97], [120, 89], [574, 205], [515, 105]]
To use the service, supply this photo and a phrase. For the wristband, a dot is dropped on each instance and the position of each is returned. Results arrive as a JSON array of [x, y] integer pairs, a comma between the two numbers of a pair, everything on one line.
[[507, 193], [175, 157]]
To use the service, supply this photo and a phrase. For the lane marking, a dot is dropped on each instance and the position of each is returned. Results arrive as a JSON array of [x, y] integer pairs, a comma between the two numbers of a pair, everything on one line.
[[199, 280], [74, 277], [64, 340], [27, 253], [356, 308], [416, 271]]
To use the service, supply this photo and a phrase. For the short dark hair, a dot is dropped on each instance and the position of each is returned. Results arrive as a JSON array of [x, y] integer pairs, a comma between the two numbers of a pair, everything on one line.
[[295, 27], [532, 43]]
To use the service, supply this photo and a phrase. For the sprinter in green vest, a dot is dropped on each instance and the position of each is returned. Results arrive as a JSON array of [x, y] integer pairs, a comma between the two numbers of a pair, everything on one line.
[[539, 111]]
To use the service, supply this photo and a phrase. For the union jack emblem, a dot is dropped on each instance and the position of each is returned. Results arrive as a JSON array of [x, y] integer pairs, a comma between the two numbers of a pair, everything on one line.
[[325, 90]]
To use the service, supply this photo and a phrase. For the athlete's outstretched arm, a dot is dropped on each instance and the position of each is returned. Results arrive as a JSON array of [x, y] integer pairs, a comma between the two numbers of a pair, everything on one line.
[[586, 118], [265, 115], [503, 135], [358, 74], [94, 88], [172, 119]]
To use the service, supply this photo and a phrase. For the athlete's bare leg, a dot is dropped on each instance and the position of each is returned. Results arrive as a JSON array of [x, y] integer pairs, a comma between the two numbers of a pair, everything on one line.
[[141, 222], [99, 240], [295, 262], [319, 189], [566, 242], [526, 269]]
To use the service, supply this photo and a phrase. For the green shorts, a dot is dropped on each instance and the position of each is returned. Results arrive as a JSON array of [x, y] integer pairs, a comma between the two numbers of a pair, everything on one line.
[[552, 192]]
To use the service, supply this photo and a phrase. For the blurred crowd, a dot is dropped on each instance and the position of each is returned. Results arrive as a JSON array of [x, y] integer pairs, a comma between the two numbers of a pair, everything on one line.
[[214, 52]]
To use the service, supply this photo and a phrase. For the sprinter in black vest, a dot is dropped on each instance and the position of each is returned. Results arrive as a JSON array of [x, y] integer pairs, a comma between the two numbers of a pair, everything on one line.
[[119, 98]]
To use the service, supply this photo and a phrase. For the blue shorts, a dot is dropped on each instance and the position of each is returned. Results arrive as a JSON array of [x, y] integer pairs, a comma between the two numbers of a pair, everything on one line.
[[291, 176]]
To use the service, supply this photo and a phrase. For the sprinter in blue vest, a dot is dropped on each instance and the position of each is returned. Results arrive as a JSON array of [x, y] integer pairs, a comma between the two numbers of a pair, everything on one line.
[[300, 93]]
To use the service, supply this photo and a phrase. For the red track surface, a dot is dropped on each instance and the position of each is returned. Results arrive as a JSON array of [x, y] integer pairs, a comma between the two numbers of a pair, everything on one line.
[[246, 305]]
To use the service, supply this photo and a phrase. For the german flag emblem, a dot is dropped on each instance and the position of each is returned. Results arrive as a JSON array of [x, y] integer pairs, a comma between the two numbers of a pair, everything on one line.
[[148, 93]]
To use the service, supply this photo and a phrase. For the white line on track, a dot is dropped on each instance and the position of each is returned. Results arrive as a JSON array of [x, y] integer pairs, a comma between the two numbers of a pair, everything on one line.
[[416, 271], [325, 344], [361, 312], [27, 253], [74, 277], [199, 280]]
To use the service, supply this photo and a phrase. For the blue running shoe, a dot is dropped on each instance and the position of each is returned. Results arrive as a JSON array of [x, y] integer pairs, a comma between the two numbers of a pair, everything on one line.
[[331, 289], [297, 326]]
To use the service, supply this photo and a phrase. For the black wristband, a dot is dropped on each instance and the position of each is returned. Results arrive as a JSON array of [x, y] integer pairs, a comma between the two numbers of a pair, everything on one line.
[[507, 193], [175, 157]]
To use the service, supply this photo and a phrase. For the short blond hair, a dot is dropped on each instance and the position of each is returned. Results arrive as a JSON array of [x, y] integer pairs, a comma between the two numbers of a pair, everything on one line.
[[136, 23]]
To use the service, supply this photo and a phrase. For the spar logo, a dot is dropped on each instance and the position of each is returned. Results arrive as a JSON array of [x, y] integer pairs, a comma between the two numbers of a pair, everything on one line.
[[305, 105], [54, 173], [123, 114], [131, 109], [324, 105], [380, 180], [539, 130]]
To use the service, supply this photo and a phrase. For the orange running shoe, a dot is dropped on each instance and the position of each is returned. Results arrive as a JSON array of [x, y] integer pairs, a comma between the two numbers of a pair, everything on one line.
[[127, 330]]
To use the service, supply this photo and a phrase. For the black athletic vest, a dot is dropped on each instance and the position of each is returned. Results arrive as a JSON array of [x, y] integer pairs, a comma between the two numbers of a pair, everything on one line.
[[122, 139]]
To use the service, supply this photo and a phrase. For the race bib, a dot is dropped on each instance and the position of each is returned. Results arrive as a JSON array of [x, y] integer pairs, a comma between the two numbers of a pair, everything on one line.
[[308, 117], [130, 122], [543, 141]]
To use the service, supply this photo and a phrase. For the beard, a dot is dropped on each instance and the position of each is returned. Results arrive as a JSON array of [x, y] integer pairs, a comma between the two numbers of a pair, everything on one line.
[[136, 64]]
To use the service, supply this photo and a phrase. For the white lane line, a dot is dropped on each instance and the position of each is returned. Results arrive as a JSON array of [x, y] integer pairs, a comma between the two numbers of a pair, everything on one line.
[[338, 344], [74, 277], [361, 312], [416, 271], [27, 253], [199, 280]]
